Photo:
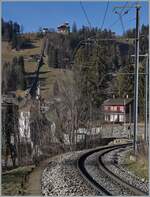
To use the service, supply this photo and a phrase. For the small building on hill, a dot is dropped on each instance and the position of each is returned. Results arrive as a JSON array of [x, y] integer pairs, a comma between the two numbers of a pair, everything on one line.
[[64, 28], [118, 110], [45, 30]]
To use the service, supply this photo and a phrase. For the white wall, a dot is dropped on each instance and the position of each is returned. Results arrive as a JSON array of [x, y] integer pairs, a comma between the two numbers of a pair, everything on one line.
[[24, 125]]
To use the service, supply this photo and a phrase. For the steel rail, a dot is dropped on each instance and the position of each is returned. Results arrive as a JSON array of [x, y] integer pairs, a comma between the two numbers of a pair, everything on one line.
[[88, 178], [115, 177]]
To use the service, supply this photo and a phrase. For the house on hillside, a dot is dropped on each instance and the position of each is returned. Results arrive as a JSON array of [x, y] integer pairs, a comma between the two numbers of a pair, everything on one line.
[[64, 28], [45, 30], [118, 110]]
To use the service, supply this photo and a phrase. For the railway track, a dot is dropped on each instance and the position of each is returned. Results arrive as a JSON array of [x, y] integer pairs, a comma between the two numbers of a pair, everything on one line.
[[112, 179]]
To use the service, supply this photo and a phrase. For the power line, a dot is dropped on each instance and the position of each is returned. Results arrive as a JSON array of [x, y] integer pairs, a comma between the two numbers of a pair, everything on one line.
[[105, 15], [85, 13], [121, 12], [122, 24], [124, 6], [132, 19], [133, 3], [129, 20], [121, 18], [127, 11]]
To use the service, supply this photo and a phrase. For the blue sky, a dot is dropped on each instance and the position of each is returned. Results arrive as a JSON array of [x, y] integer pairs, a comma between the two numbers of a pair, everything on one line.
[[33, 15]]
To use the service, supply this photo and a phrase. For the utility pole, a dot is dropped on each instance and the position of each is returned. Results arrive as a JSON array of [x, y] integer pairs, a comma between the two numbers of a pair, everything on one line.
[[124, 103], [136, 77], [146, 95], [146, 99], [136, 73]]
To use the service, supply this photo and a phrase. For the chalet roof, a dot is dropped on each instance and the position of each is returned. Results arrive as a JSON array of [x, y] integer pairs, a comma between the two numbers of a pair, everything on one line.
[[62, 26], [117, 101], [65, 25]]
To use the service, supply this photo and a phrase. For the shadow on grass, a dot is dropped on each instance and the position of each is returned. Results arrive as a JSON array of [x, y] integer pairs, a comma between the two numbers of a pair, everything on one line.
[[33, 73]]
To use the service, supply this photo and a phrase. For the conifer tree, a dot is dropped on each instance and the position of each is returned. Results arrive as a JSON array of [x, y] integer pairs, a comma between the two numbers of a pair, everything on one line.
[[74, 28]]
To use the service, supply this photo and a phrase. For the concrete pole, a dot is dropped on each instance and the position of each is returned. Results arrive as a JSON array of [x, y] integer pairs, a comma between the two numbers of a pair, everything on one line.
[[130, 120], [146, 99], [124, 115], [136, 79]]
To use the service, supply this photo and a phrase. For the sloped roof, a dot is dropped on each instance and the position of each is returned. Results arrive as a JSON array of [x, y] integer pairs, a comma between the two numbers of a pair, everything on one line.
[[117, 101], [63, 25]]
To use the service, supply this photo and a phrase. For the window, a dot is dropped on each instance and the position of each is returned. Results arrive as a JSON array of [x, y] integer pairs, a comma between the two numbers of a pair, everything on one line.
[[115, 108], [112, 108], [106, 117], [113, 117], [122, 108], [121, 118], [106, 107]]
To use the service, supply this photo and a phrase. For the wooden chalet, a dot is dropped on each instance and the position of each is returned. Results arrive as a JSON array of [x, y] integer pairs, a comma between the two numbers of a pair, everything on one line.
[[64, 28], [118, 110]]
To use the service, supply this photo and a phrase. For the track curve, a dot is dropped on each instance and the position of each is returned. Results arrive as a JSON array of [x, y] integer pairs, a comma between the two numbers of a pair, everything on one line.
[[98, 187]]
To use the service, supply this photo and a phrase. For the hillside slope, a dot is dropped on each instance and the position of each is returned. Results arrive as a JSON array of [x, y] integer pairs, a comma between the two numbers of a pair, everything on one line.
[[47, 75]]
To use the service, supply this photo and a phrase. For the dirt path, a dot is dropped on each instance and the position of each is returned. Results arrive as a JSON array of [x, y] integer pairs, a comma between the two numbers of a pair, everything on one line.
[[34, 183]]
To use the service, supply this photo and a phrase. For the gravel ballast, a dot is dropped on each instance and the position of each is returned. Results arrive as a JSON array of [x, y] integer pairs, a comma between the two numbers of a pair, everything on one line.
[[121, 171], [62, 177], [91, 165]]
